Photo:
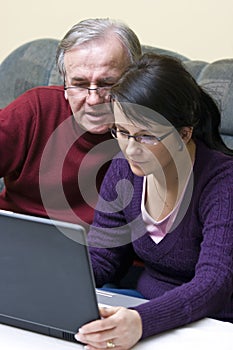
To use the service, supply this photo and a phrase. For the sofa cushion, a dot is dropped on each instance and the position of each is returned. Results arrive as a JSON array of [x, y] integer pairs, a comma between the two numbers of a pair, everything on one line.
[[30, 65], [159, 51], [217, 79]]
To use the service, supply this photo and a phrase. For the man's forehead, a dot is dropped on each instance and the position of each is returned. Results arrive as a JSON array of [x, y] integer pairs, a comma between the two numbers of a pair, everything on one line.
[[95, 55]]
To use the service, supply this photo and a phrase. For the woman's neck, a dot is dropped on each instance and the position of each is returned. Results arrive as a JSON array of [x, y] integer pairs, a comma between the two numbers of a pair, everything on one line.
[[164, 191]]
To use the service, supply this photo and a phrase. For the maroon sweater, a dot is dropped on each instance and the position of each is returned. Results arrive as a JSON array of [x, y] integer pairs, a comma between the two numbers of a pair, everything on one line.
[[57, 185]]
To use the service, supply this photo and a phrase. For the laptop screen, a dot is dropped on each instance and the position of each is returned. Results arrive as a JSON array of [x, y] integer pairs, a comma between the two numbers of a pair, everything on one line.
[[47, 283]]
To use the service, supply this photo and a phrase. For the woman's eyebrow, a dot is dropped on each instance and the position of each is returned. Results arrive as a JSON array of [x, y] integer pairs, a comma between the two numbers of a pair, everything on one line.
[[119, 125], [124, 127]]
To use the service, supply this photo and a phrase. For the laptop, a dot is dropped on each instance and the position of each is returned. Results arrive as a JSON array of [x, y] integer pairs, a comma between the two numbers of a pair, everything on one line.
[[46, 279]]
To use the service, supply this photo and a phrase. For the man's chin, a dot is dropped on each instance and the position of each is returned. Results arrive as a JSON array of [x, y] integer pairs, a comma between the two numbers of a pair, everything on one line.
[[96, 129], [99, 130], [98, 123]]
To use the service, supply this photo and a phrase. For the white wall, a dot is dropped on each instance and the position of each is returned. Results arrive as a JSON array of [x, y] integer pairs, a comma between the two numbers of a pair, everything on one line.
[[199, 29]]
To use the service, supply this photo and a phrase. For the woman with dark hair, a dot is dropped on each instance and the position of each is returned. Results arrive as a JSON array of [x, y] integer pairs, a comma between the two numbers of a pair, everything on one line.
[[168, 199]]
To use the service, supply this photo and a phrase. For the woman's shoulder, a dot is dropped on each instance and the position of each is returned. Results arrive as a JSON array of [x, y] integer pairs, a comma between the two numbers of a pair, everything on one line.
[[212, 174], [120, 165], [119, 174], [211, 161]]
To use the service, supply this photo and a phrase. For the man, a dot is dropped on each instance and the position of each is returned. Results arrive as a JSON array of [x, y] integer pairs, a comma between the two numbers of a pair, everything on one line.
[[55, 146]]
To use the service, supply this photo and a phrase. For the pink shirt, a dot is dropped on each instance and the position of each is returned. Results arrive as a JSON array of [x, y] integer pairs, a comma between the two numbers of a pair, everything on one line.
[[158, 229]]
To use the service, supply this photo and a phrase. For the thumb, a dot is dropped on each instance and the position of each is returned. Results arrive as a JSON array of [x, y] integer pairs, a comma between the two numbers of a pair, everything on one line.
[[108, 311]]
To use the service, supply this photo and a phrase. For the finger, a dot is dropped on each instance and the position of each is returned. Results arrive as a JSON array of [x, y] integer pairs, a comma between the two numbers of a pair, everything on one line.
[[98, 340], [97, 326], [108, 311], [95, 345], [100, 325]]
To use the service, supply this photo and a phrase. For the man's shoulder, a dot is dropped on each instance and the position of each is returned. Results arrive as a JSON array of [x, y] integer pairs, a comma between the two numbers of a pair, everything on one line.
[[47, 98], [42, 104], [38, 95], [46, 91]]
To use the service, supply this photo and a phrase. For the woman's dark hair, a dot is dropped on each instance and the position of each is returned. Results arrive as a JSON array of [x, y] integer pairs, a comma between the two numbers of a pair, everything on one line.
[[162, 84]]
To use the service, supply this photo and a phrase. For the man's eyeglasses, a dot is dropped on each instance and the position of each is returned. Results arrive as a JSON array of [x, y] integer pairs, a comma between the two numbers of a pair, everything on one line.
[[84, 91], [142, 139]]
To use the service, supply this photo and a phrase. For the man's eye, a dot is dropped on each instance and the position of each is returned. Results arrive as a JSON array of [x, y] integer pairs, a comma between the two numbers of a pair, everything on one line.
[[83, 86], [106, 83], [107, 86], [80, 85]]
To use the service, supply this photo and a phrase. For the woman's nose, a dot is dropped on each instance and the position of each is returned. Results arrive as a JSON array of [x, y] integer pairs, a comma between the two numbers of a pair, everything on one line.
[[133, 147]]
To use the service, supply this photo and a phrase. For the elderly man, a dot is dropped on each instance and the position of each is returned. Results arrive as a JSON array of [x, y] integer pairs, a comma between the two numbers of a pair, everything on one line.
[[55, 146]]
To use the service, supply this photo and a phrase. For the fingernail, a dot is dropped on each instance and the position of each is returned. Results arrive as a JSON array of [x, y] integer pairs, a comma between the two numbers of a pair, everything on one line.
[[77, 337]]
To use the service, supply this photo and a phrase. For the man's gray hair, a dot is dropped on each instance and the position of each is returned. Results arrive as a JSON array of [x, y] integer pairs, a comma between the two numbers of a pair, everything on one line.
[[93, 29]]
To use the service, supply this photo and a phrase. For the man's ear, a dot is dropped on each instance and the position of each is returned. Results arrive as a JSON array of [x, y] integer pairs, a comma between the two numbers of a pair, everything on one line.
[[186, 133]]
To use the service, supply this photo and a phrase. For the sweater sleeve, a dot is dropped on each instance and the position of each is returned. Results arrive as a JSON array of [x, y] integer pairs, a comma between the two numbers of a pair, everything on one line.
[[209, 292], [109, 237], [16, 131]]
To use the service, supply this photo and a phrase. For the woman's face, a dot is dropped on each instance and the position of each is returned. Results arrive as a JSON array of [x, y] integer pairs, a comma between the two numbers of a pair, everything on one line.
[[143, 156]]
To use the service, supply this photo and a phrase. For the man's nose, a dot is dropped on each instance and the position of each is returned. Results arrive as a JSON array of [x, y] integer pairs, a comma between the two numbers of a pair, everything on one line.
[[93, 97]]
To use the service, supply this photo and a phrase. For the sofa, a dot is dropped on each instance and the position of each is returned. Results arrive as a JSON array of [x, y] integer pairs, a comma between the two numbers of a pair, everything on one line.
[[33, 64]]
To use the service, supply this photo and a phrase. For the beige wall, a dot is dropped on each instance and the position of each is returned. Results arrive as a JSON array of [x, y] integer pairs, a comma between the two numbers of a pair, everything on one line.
[[199, 29]]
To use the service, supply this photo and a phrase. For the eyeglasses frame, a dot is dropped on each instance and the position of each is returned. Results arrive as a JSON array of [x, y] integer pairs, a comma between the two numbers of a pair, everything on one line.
[[89, 89], [135, 137]]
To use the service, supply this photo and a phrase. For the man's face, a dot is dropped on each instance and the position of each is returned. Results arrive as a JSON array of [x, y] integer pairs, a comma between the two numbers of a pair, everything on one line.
[[99, 63]]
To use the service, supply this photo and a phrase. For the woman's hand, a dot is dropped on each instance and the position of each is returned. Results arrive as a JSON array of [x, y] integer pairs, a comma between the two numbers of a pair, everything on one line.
[[119, 328]]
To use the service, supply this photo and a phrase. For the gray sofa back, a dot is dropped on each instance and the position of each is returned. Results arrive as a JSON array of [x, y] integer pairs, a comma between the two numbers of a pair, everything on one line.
[[33, 64]]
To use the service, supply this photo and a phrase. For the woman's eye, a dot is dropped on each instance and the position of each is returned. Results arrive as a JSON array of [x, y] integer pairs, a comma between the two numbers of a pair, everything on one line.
[[123, 132], [149, 137]]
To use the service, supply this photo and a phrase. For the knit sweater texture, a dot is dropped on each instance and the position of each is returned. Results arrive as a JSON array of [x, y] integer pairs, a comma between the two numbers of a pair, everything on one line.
[[56, 176], [189, 274]]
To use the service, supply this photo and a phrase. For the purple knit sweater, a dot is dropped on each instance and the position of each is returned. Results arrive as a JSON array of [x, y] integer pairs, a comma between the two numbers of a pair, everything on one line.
[[189, 274]]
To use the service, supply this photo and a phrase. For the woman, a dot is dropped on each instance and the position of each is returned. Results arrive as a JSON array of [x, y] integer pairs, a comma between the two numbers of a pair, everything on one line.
[[168, 198]]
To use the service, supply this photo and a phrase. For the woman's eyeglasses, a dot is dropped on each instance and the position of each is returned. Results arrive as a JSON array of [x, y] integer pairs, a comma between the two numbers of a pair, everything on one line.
[[142, 139]]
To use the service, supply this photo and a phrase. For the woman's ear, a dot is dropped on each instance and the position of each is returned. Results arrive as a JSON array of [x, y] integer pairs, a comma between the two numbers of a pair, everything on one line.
[[186, 133]]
